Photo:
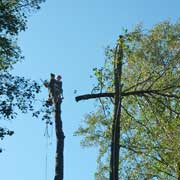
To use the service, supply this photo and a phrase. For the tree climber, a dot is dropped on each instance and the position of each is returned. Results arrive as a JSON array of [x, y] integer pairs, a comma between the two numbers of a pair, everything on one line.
[[58, 91], [50, 86], [55, 89]]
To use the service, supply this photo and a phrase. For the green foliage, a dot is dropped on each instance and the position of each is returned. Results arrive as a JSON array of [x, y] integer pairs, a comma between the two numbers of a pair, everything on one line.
[[17, 94], [13, 19], [149, 137], [45, 113]]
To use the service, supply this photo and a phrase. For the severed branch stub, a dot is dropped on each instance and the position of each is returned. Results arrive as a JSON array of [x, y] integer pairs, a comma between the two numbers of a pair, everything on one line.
[[93, 96], [132, 93]]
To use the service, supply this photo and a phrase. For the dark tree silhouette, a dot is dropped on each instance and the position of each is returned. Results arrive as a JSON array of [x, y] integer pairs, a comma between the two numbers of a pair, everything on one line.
[[16, 93]]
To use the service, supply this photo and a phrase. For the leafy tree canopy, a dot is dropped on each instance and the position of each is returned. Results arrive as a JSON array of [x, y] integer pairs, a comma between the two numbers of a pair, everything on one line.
[[149, 138], [16, 93], [13, 19]]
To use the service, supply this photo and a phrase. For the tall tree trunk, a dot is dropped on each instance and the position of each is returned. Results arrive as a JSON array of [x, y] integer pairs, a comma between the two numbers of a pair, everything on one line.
[[115, 141], [178, 170], [59, 170], [115, 147]]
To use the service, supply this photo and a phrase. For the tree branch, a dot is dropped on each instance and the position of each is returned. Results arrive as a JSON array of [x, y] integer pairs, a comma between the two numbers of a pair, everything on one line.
[[93, 96], [133, 93]]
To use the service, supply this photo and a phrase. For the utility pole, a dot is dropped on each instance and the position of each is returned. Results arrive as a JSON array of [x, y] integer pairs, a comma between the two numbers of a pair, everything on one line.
[[55, 98], [117, 95]]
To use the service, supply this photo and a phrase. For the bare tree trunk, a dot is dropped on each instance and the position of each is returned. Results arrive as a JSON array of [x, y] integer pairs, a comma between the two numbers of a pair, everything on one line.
[[178, 170], [115, 141], [59, 170], [115, 147]]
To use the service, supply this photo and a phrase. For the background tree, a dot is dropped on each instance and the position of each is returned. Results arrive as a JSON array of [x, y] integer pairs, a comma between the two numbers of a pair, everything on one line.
[[150, 106], [16, 93]]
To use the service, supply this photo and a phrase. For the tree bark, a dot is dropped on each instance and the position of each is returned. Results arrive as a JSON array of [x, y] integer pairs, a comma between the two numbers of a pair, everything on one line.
[[115, 142], [59, 170], [117, 95], [178, 170], [130, 93], [93, 96]]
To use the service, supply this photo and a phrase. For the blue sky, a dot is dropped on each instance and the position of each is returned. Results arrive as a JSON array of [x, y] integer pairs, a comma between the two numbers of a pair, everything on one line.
[[68, 38]]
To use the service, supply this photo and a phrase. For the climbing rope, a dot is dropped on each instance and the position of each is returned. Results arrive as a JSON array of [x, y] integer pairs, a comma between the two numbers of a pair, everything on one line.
[[48, 142], [46, 134]]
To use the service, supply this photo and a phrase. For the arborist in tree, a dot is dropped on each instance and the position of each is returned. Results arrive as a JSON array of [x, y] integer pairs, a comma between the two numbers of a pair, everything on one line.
[[55, 89], [58, 91], [50, 86]]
